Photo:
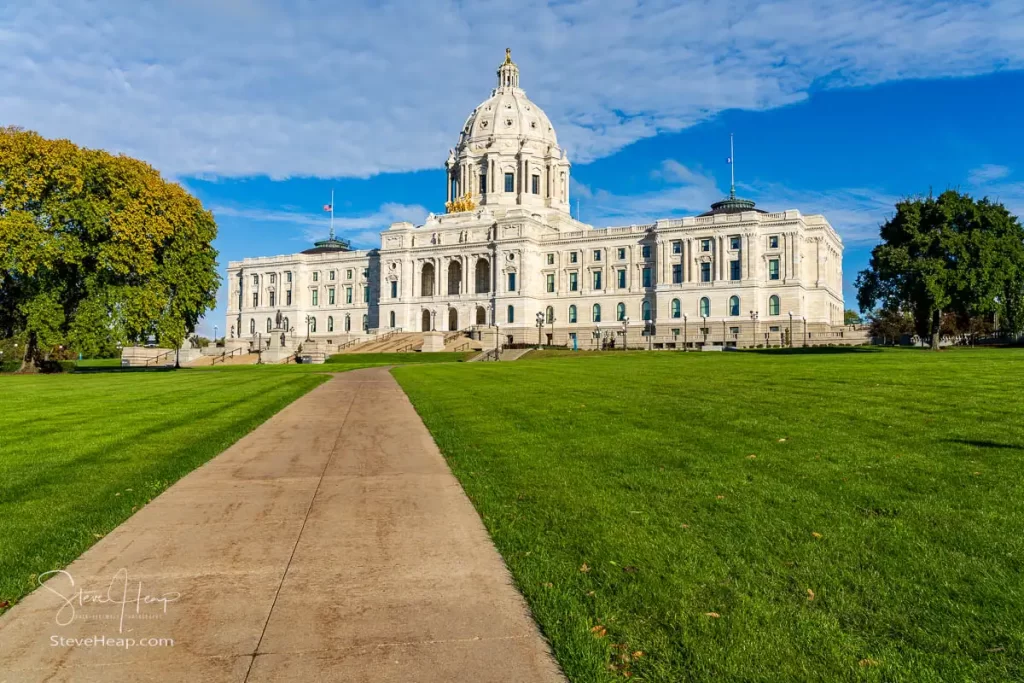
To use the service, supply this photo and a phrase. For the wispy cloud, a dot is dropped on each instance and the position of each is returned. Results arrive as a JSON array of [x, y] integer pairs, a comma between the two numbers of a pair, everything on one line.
[[987, 173], [229, 88], [992, 181]]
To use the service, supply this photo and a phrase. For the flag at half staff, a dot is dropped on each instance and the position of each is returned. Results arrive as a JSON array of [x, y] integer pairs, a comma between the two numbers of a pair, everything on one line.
[[328, 207]]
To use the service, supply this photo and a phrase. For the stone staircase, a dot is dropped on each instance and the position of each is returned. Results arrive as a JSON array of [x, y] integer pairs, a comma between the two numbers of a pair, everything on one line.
[[393, 342]]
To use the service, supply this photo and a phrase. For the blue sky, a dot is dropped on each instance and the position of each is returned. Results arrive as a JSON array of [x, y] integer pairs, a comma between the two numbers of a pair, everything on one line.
[[261, 107]]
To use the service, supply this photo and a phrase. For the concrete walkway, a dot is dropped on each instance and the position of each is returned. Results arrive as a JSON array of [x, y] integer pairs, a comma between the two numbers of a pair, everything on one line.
[[330, 544]]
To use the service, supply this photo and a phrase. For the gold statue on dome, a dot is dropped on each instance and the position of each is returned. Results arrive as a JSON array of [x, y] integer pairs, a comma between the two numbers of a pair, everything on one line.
[[460, 204], [508, 55]]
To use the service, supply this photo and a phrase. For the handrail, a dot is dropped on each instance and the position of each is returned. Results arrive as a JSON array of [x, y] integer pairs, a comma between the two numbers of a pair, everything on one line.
[[156, 358], [406, 348], [461, 347], [225, 355]]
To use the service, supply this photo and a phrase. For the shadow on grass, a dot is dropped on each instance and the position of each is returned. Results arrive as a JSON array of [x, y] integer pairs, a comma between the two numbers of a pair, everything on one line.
[[815, 350], [986, 444]]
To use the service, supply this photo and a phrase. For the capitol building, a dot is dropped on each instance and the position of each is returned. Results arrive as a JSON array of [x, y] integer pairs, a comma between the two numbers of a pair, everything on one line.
[[508, 260]]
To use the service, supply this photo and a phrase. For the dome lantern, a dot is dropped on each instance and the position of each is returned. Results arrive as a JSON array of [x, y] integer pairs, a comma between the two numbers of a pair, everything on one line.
[[508, 72]]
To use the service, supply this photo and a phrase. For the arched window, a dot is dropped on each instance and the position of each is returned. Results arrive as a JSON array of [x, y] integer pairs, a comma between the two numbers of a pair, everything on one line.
[[511, 314], [676, 309], [620, 311], [330, 323], [549, 315], [252, 326], [705, 307], [348, 323], [270, 324], [572, 314], [773, 305], [284, 324], [366, 323], [597, 313], [391, 319], [645, 310], [312, 324], [734, 305]]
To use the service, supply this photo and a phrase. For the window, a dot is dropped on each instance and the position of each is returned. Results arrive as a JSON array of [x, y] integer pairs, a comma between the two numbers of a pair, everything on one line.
[[252, 326], [705, 307], [269, 325], [597, 279], [391, 319], [551, 259], [348, 323], [316, 298], [255, 280], [330, 323], [645, 310], [348, 274], [366, 294], [621, 253], [677, 273], [705, 245], [646, 276], [705, 272], [483, 188], [735, 272], [773, 269], [734, 305], [535, 184], [734, 242], [348, 295], [773, 328], [394, 291], [596, 313], [511, 313], [330, 276], [773, 305], [677, 247], [620, 312], [366, 323], [288, 298], [676, 308], [645, 251], [574, 256], [316, 276], [511, 282], [330, 296], [288, 276], [574, 284], [273, 278], [312, 324], [366, 273], [549, 315], [621, 274], [255, 299], [572, 314], [510, 182], [597, 254], [773, 242], [273, 299], [551, 282]]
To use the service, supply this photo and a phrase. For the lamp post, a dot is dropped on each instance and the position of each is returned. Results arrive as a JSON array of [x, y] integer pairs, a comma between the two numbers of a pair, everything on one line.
[[805, 330], [704, 329], [649, 329], [625, 332], [753, 320], [309, 321], [686, 344], [215, 335], [789, 332], [723, 333], [552, 321], [540, 327], [597, 335]]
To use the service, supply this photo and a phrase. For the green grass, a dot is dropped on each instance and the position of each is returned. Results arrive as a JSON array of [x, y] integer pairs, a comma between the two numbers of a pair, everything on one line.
[[891, 484], [99, 363], [80, 453]]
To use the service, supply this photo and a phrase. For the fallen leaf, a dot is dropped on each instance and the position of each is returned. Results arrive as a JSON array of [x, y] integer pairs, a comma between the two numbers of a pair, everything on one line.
[[638, 654], [992, 649], [127, 489], [118, 493], [97, 535], [977, 473], [627, 674], [629, 569], [782, 439], [548, 585], [719, 497], [591, 594], [685, 526], [751, 457], [810, 595], [599, 631], [868, 662], [713, 615], [7, 603], [815, 534], [584, 567]]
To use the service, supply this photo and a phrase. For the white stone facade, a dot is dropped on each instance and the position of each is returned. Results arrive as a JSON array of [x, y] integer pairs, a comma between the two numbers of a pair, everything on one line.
[[729, 277]]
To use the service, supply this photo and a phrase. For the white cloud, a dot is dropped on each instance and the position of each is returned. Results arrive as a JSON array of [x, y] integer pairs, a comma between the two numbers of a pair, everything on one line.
[[987, 173], [230, 88], [991, 181]]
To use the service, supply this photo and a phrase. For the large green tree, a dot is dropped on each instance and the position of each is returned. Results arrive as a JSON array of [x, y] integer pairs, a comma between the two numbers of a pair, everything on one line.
[[97, 249], [947, 254]]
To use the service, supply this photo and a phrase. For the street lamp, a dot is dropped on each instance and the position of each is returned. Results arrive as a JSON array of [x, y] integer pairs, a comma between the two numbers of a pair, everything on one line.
[[704, 329], [597, 335], [309, 321], [215, 335], [686, 344], [552, 321], [805, 329], [789, 332], [540, 327], [753, 320], [625, 333]]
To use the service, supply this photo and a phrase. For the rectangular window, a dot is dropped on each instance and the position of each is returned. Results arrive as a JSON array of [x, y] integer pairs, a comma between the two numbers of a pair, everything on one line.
[[366, 294], [734, 242], [773, 242], [734, 330], [773, 328], [705, 272], [675, 331], [597, 254], [597, 279], [551, 282], [316, 276], [288, 277], [574, 256], [348, 295], [288, 298], [734, 270], [331, 275], [622, 253], [551, 259], [510, 182], [574, 284], [273, 280], [511, 282], [705, 245], [622, 278], [677, 247], [255, 299], [316, 298], [394, 290], [255, 280], [330, 296], [646, 273], [773, 269], [677, 273], [273, 299], [535, 184], [483, 183], [348, 274], [645, 251]]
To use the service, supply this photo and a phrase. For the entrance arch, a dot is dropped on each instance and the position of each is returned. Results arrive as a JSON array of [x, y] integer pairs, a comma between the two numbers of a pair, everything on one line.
[[425, 321], [453, 319], [483, 276], [455, 277]]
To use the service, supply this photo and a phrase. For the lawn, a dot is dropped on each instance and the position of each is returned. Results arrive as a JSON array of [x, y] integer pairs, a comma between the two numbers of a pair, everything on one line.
[[80, 453], [852, 516]]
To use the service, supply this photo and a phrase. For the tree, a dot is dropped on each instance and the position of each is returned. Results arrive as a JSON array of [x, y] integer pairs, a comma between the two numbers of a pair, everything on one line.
[[97, 250], [851, 317], [950, 254], [890, 325]]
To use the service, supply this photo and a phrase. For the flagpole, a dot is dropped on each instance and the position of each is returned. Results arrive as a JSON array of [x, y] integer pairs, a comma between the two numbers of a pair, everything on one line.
[[332, 213], [732, 167]]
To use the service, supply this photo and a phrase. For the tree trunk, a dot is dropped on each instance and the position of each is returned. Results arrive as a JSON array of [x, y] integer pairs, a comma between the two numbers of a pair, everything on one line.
[[27, 361], [936, 329]]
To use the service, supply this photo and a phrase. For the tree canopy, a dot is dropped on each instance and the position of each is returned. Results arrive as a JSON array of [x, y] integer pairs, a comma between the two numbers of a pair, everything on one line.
[[97, 250], [949, 254]]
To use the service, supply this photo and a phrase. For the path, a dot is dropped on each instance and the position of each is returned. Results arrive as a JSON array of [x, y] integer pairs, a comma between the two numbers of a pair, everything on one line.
[[330, 544]]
